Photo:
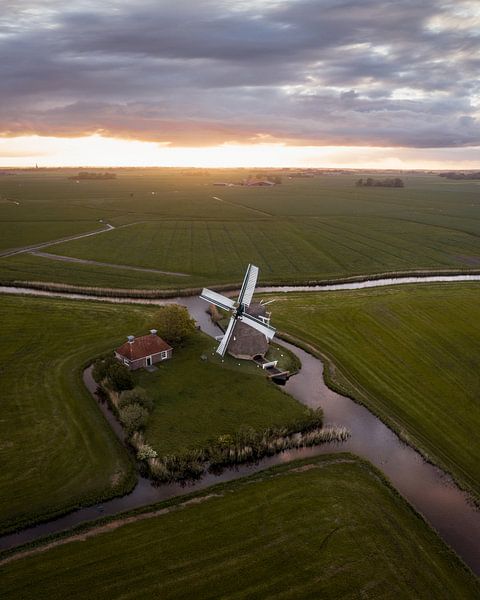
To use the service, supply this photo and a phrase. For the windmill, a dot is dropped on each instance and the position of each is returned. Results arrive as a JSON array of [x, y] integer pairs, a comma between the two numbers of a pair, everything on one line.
[[240, 309]]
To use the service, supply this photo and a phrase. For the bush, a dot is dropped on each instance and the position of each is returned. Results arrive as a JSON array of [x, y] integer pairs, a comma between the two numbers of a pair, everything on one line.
[[119, 377], [174, 324], [133, 417], [136, 396], [145, 452], [101, 367]]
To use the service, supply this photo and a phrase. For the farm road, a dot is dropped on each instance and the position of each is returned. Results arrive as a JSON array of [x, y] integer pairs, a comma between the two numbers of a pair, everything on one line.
[[84, 261], [22, 250]]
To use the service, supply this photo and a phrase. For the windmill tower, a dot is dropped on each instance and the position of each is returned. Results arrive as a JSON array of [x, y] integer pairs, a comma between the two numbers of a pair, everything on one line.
[[248, 332]]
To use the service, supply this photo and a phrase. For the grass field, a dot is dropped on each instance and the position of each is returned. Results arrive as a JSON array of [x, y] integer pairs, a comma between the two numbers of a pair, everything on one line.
[[411, 354], [27, 267], [198, 401], [301, 230], [56, 448], [327, 528]]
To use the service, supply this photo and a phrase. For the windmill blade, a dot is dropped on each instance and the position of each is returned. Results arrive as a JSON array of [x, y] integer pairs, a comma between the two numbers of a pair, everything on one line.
[[267, 331], [222, 348], [248, 286], [217, 299]]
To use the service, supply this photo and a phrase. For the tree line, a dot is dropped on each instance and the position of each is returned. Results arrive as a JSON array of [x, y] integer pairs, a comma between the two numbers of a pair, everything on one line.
[[394, 182], [460, 176]]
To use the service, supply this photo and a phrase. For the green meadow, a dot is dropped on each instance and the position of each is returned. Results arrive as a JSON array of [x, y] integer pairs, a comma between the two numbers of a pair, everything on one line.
[[197, 401], [57, 451], [328, 528], [177, 220], [410, 353]]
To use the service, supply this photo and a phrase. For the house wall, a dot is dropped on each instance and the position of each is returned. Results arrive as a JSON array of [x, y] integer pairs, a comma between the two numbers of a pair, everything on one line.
[[142, 362]]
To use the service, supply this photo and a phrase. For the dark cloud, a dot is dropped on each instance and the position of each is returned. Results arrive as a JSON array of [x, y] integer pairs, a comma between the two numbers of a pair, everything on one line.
[[357, 72]]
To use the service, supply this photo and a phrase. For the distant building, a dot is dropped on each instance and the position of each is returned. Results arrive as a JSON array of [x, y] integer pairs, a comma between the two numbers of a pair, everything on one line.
[[251, 182], [143, 351]]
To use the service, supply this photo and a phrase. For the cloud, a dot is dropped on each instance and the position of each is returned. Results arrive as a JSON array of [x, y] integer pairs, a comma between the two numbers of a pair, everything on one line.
[[313, 72]]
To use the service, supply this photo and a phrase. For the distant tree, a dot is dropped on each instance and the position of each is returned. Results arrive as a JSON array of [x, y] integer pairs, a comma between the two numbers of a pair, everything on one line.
[[174, 324], [387, 182], [277, 179]]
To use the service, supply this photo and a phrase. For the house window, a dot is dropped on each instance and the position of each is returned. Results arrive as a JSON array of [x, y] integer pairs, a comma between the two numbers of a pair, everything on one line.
[[126, 362], [149, 361], [164, 354]]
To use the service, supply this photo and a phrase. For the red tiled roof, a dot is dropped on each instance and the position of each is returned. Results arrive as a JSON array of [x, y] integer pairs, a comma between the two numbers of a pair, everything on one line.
[[143, 346]]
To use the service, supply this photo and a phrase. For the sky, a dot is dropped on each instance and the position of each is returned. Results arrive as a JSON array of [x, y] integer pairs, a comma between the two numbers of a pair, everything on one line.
[[360, 83]]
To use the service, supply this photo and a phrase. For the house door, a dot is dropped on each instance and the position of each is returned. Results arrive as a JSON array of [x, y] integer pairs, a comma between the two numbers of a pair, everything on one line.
[[149, 361]]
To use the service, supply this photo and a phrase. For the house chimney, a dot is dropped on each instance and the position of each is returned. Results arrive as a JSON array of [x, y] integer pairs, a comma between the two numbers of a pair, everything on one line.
[[153, 331], [130, 339]]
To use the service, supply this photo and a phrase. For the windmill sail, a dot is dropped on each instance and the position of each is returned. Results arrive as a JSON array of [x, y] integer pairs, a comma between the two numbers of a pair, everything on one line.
[[238, 311], [217, 299], [248, 286], [226, 338], [257, 324]]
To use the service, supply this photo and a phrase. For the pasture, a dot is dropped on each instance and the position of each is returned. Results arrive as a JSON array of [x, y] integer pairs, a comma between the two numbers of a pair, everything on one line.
[[329, 527], [177, 220], [57, 451], [411, 354], [198, 401]]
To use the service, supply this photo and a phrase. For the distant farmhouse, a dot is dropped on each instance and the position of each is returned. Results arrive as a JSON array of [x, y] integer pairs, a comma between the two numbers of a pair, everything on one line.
[[253, 182], [143, 351]]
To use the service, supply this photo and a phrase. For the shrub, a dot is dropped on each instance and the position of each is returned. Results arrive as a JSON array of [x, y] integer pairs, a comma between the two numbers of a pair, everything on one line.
[[101, 367], [136, 396], [114, 373], [133, 417], [101, 394], [119, 377], [145, 452]]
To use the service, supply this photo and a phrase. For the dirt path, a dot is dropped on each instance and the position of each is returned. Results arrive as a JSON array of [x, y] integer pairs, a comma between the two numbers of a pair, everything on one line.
[[15, 251], [83, 261], [238, 205], [107, 527], [120, 522]]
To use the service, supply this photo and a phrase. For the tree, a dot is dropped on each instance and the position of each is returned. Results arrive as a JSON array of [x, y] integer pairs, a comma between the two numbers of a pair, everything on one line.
[[119, 377], [101, 367], [136, 396], [133, 417], [174, 324]]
